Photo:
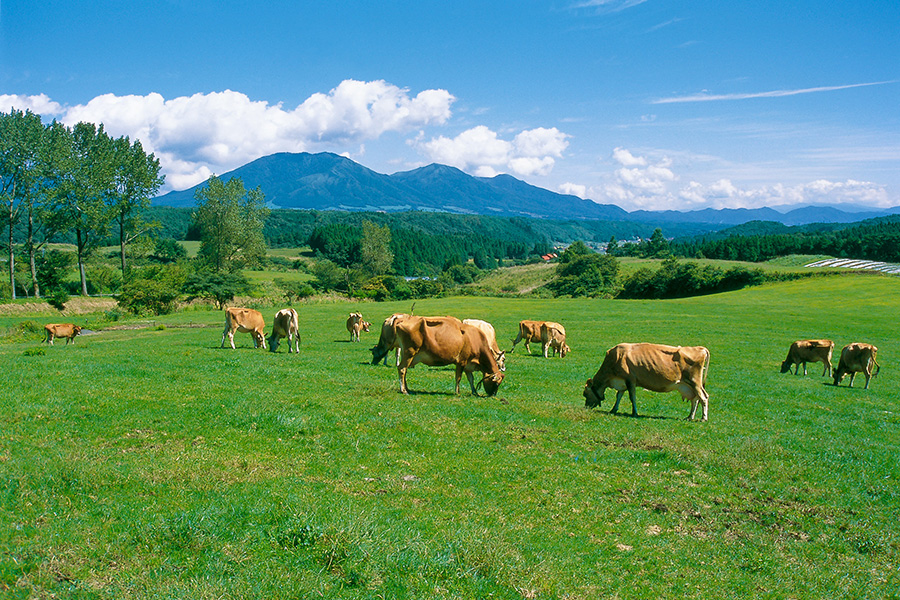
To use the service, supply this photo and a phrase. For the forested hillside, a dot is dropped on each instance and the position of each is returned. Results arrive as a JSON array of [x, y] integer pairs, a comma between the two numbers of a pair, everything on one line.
[[873, 239]]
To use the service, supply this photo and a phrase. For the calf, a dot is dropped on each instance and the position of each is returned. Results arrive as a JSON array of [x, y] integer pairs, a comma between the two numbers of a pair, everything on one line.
[[355, 324], [553, 339]]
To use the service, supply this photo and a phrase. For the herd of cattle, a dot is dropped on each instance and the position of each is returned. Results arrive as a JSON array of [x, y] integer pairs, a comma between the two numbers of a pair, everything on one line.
[[471, 345]]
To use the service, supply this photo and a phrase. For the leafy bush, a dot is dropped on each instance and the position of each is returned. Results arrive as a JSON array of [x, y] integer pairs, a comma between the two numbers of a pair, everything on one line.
[[295, 290], [219, 287], [675, 279], [582, 272], [141, 296]]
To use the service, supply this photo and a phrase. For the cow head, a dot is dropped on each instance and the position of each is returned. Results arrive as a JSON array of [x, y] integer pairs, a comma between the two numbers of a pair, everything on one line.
[[591, 398], [564, 349], [76, 329], [492, 383], [786, 366], [379, 353], [260, 338], [365, 326], [838, 375]]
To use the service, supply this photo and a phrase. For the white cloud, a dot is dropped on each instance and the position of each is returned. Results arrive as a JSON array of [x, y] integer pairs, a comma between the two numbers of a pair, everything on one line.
[[194, 136], [480, 150], [40, 104], [640, 183]]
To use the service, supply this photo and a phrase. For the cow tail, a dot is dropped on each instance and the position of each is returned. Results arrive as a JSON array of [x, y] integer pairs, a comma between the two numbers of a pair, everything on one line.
[[877, 367], [705, 366]]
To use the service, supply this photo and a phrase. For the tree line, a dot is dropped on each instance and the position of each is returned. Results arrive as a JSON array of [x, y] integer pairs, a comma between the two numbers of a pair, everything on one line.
[[873, 239]]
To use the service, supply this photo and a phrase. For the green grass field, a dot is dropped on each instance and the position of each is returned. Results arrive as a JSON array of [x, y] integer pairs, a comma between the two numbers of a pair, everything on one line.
[[150, 463]]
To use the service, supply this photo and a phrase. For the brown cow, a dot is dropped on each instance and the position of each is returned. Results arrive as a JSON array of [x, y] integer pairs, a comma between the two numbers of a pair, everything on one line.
[[285, 325], [804, 351], [61, 330], [553, 337], [244, 320], [355, 324], [529, 331], [857, 358], [439, 341], [653, 367], [490, 334], [388, 341]]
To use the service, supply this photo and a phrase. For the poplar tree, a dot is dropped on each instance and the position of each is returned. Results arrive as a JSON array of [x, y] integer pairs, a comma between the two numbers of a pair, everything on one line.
[[20, 144], [375, 249]]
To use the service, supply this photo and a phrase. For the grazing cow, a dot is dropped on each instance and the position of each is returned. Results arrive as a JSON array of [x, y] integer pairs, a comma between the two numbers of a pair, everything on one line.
[[653, 367], [439, 341], [488, 329], [857, 358], [355, 324], [61, 330], [244, 320], [388, 341], [553, 337], [529, 331], [285, 325], [804, 351]]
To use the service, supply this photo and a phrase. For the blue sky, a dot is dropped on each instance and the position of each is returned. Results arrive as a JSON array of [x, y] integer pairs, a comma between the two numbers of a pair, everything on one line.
[[656, 104]]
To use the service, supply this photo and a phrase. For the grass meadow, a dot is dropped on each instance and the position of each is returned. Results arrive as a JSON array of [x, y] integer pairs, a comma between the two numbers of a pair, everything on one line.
[[150, 463]]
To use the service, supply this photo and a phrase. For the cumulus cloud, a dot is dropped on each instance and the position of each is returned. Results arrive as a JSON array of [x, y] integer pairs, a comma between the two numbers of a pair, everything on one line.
[[195, 136], [641, 183], [40, 104], [481, 151]]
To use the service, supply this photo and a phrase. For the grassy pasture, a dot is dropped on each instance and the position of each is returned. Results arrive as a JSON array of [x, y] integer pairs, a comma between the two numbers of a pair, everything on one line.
[[149, 462]]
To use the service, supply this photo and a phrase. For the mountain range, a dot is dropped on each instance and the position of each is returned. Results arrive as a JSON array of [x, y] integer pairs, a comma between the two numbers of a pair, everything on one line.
[[326, 181]]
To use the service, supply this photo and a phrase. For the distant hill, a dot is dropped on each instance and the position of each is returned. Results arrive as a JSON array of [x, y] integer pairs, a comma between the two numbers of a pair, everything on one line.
[[326, 181]]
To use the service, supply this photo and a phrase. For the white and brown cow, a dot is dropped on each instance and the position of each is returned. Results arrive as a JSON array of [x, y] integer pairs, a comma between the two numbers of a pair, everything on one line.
[[808, 351], [285, 325], [553, 339], [61, 330], [857, 358], [244, 320], [355, 324], [491, 336], [388, 341], [439, 341], [529, 331], [653, 367]]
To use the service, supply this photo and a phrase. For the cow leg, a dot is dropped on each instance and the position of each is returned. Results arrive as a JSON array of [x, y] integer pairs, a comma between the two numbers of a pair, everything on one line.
[[852, 375], [472, 383], [868, 374], [50, 338], [619, 395], [527, 348], [401, 372], [459, 371], [804, 368], [632, 393], [546, 349], [827, 369]]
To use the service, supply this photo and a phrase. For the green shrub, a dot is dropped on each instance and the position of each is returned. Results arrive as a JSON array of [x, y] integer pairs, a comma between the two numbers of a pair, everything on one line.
[[39, 351], [142, 296]]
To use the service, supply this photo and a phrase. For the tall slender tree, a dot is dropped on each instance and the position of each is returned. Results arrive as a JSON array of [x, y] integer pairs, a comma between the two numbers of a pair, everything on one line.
[[375, 249], [84, 177], [20, 143], [135, 178]]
